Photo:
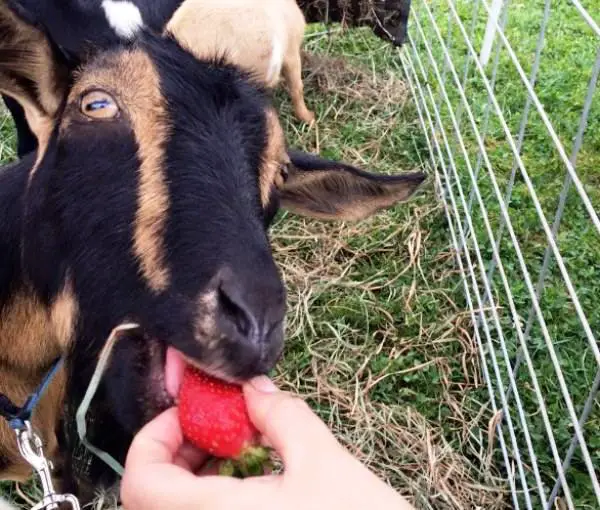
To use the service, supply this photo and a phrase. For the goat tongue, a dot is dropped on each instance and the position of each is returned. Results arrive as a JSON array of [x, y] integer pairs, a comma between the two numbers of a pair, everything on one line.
[[174, 370]]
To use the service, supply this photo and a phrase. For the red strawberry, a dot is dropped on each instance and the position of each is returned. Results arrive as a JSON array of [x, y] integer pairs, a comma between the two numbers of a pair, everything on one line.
[[214, 418]]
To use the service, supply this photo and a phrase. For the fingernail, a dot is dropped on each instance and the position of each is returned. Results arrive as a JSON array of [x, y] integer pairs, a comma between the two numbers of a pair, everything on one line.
[[263, 384]]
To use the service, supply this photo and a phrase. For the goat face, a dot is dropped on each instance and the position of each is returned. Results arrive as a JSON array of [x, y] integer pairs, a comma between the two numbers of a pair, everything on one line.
[[149, 204], [155, 180]]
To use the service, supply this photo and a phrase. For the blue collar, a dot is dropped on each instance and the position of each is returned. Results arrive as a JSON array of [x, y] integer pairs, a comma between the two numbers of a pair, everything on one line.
[[17, 416]]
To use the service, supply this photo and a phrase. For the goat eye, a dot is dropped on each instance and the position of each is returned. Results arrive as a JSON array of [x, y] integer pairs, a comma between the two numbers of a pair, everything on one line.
[[99, 105]]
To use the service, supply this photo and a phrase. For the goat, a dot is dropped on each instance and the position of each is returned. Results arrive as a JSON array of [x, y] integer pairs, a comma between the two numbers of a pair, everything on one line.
[[387, 18], [268, 41], [148, 200]]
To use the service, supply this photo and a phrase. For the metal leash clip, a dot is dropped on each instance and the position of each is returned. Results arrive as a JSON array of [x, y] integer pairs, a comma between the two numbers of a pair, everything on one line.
[[30, 446]]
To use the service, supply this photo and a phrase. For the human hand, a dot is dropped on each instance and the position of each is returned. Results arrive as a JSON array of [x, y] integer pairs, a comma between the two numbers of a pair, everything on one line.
[[319, 472]]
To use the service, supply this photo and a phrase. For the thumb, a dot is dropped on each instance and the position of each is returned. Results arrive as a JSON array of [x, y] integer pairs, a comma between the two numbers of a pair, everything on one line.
[[151, 461], [158, 441], [288, 423]]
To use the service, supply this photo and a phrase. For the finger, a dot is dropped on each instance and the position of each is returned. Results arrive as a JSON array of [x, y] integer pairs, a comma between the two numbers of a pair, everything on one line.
[[164, 437], [226, 493], [287, 423], [209, 492], [157, 486], [190, 458], [158, 441], [151, 478]]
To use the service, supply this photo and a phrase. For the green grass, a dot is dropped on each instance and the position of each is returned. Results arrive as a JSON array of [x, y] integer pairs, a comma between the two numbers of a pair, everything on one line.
[[7, 137], [380, 338]]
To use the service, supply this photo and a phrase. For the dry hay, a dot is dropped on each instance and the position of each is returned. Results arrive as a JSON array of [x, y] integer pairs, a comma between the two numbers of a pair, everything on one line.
[[327, 75]]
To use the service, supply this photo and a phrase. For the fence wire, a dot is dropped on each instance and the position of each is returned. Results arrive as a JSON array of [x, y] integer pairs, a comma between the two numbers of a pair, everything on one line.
[[513, 147]]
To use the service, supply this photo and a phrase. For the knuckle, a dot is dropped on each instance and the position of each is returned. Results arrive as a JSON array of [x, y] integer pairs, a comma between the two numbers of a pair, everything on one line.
[[290, 406]]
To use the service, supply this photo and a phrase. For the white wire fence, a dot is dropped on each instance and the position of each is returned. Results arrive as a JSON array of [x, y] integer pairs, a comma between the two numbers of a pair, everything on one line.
[[505, 95]]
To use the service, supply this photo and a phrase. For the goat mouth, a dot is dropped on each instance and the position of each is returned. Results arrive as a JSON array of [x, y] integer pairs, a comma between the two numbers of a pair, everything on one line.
[[175, 365]]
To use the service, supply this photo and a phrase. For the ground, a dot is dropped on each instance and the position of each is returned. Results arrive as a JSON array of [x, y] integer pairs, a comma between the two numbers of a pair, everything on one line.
[[380, 340]]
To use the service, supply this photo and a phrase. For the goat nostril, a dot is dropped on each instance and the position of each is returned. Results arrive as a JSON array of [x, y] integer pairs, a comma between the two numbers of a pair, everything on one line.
[[234, 313]]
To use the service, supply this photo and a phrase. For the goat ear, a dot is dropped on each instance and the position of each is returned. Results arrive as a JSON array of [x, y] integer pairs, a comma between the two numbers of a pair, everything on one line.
[[330, 190], [30, 71]]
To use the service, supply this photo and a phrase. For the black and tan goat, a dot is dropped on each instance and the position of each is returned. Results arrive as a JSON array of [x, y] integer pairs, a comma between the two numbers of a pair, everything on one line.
[[148, 200]]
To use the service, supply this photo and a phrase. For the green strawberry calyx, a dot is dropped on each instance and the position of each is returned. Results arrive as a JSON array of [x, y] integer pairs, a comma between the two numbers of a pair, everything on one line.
[[253, 461]]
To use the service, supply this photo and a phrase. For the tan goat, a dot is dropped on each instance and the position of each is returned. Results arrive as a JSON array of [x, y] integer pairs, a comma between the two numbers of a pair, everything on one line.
[[263, 37]]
